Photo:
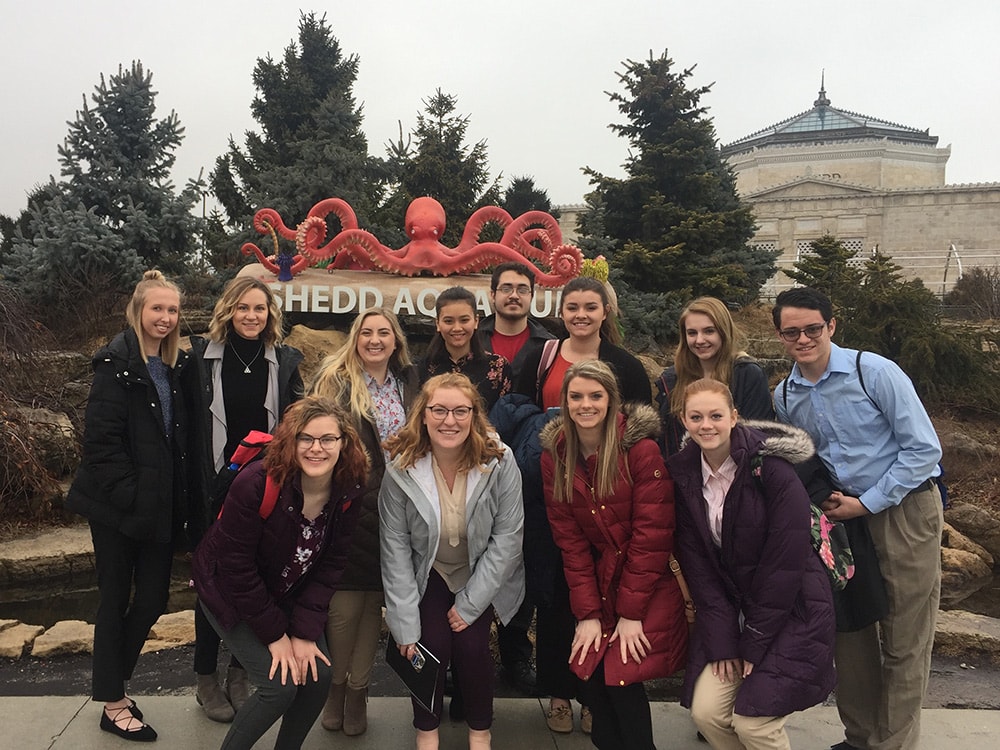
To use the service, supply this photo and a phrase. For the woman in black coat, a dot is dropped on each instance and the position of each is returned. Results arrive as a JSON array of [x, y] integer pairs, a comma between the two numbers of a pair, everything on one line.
[[249, 379], [138, 488]]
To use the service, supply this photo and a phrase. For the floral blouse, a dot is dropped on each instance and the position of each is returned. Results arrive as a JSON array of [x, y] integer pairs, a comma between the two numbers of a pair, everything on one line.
[[489, 373]]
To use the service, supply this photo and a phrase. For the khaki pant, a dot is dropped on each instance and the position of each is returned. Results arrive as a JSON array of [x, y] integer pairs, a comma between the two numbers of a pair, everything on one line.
[[712, 711], [352, 633], [882, 671]]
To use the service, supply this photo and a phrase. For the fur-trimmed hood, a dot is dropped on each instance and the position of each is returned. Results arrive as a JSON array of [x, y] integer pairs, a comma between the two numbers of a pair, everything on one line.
[[640, 421], [776, 439]]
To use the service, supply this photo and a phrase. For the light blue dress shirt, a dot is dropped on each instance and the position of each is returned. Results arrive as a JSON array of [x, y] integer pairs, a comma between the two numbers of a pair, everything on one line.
[[875, 454]]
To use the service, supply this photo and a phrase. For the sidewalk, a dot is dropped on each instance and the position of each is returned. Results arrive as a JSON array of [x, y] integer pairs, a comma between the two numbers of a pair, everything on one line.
[[71, 723]]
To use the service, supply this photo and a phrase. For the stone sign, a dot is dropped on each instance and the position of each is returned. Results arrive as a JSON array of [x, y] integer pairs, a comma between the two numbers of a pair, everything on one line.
[[314, 290]]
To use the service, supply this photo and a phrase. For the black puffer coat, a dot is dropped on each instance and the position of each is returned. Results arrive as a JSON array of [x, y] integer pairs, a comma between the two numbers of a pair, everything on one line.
[[364, 571], [133, 477]]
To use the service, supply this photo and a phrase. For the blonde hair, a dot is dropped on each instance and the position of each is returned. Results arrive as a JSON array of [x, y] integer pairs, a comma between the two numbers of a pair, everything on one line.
[[687, 365], [341, 376], [170, 345], [413, 442], [225, 309], [610, 447]]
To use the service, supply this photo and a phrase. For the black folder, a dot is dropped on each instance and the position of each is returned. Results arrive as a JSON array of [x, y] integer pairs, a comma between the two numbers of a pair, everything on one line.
[[420, 681]]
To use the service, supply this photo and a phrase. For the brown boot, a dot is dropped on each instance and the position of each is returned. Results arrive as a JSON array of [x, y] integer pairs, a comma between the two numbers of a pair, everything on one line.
[[237, 686], [356, 712], [211, 698], [333, 711]]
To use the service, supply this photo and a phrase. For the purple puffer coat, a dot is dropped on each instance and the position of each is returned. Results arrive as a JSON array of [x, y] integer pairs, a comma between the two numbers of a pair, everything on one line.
[[237, 568], [766, 569]]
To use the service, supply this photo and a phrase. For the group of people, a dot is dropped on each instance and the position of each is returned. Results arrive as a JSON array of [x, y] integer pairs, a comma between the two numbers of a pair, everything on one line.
[[512, 475]]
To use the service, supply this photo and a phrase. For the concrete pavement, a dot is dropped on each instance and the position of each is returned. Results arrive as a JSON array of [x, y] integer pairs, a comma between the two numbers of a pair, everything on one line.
[[71, 723]]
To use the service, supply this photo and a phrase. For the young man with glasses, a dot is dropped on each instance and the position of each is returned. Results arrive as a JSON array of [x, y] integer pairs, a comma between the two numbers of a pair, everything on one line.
[[506, 332], [510, 327], [874, 436]]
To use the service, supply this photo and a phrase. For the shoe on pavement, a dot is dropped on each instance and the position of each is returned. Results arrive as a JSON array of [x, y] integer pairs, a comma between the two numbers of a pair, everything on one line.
[[560, 719], [586, 720]]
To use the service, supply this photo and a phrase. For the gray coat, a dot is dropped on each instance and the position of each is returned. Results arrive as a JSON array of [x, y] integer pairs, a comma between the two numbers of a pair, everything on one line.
[[410, 531]]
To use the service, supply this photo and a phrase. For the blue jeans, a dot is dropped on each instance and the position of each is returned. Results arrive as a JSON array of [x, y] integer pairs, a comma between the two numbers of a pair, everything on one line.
[[296, 705]]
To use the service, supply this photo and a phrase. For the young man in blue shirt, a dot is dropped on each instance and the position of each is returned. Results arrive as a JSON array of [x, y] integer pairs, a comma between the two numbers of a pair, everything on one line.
[[874, 435]]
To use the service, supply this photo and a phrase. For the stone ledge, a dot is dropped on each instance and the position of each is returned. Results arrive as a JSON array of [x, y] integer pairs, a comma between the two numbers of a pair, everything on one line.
[[964, 634], [14, 640]]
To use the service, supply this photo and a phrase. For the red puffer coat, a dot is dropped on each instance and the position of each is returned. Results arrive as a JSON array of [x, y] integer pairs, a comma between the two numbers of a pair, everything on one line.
[[615, 550]]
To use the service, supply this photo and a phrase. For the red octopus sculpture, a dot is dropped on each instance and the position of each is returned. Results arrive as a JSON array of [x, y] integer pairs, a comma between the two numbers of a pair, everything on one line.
[[354, 248]]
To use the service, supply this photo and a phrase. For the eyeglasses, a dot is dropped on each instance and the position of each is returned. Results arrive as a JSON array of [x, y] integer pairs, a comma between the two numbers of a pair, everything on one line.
[[522, 289], [461, 413], [326, 442], [791, 335]]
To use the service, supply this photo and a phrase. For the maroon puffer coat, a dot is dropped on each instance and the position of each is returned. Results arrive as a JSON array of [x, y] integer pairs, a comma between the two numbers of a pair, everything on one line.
[[615, 550]]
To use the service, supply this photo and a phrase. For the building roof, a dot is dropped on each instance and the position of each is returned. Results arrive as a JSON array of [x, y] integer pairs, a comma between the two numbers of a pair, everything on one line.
[[826, 124]]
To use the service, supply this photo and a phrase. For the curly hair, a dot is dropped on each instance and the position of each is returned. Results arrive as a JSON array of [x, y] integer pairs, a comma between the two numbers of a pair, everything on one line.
[[413, 442], [610, 448], [281, 459], [170, 346], [341, 375], [225, 308]]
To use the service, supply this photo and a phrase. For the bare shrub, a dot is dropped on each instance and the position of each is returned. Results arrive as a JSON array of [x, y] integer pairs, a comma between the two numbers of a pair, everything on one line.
[[979, 292]]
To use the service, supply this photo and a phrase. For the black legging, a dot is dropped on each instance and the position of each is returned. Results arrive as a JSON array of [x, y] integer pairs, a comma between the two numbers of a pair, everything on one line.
[[206, 645], [622, 720]]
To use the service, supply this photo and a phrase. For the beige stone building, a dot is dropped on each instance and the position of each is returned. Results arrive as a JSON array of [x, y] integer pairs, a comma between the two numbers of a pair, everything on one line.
[[870, 183]]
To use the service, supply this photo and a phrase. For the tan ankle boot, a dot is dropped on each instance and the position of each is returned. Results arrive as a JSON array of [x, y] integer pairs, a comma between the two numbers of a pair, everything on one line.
[[333, 711], [427, 740], [237, 686], [480, 739], [211, 698], [356, 712]]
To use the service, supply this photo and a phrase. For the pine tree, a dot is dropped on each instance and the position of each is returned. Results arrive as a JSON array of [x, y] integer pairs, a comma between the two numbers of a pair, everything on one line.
[[436, 161], [677, 226], [89, 236], [830, 267], [522, 196], [310, 145]]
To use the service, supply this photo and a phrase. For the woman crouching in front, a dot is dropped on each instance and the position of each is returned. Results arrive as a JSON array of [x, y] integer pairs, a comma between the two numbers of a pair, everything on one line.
[[265, 572], [762, 644], [611, 507], [451, 524]]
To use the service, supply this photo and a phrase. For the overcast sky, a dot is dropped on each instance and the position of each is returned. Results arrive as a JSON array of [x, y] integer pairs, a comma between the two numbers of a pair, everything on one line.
[[532, 75]]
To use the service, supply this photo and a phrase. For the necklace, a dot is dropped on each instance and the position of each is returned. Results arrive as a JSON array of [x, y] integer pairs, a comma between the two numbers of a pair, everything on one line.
[[246, 365]]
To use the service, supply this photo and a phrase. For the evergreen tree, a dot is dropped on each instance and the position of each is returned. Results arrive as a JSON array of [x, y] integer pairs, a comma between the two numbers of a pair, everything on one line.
[[878, 310], [436, 161], [310, 145], [675, 221], [830, 267], [522, 196], [86, 239]]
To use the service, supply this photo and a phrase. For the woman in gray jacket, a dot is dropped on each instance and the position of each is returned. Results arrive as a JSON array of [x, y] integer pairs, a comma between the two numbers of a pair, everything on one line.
[[451, 522]]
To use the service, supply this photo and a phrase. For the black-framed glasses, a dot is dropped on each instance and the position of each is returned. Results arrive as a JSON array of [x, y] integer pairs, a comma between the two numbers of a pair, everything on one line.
[[440, 413], [326, 442], [791, 335], [522, 289]]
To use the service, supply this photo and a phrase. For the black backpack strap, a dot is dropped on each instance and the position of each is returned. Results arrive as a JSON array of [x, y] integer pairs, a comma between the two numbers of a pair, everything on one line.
[[861, 381]]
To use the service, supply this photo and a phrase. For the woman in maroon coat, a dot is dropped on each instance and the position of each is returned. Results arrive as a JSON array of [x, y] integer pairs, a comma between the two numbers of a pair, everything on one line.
[[265, 573], [610, 505], [762, 645]]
